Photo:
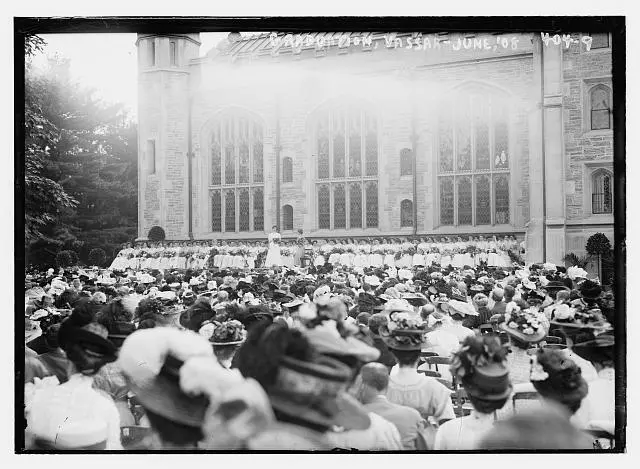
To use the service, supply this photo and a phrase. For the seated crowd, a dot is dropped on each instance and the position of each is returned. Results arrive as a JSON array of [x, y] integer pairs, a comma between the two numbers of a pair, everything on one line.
[[350, 355], [396, 252]]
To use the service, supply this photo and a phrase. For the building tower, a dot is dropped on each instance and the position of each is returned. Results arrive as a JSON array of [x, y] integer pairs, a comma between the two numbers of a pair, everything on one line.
[[164, 77]]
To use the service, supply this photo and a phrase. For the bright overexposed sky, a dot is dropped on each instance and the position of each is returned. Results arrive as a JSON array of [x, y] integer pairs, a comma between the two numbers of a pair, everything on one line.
[[106, 61]]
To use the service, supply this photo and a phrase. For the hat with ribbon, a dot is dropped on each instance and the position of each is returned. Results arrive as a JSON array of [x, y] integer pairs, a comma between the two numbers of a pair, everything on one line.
[[315, 391]]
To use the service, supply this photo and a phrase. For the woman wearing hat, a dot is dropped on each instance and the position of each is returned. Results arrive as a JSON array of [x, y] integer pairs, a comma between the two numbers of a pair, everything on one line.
[[559, 382], [599, 405], [190, 400], [226, 339], [480, 367], [405, 336], [49, 406], [308, 391]]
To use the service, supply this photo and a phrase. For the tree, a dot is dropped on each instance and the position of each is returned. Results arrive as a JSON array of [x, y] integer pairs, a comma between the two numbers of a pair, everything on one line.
[[97, 256], [156, 234], [45, 199], [89, 157]]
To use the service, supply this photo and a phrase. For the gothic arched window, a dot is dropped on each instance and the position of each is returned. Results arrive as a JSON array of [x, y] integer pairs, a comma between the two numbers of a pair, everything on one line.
[[346, 142], [287, 218], [600, 102], [216, 211], [287, 170], [230, 211], [406, 162], [473, 159], [236, 172], [406, 213], [601, 192]]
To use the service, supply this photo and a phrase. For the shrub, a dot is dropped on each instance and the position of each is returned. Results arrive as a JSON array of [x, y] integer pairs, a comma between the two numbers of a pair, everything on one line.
[[97, 256], [66, 258], [598, 244], [156, 234]]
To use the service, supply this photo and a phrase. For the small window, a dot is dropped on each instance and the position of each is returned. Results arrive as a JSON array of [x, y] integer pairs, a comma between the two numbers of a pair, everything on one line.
[[600, 105], [601, 193], [287, 170], [173, 54], [599, 40], [152, 53], [406, 213], [151, 156], [287, 218], [406, 162]]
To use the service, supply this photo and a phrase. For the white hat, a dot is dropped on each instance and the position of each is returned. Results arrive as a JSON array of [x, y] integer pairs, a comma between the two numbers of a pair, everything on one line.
[[405, 274], [463, 308], [62, 430], [372, 280]]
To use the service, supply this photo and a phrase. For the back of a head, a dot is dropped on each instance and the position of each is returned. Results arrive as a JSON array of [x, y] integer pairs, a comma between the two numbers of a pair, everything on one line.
[[375, 375], [363, 318], [260, 355], [509, 292], [426, 310], [376, 321], [544, 429], [562, 296], [498, 294]]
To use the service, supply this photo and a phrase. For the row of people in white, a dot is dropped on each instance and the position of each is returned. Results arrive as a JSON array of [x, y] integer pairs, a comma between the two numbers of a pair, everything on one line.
[[350, 253]]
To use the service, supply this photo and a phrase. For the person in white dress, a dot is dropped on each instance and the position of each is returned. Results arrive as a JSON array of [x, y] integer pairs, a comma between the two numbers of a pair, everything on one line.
[[480, 366], [273, 254]]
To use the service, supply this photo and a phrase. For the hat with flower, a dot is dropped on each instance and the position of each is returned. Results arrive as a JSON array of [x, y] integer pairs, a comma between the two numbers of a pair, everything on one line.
[[480, 365], [528, 326], [404, 331], [228, 333]]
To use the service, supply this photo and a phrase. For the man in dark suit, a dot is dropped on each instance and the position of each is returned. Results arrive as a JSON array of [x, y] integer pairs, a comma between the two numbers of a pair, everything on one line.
[[371, 386]]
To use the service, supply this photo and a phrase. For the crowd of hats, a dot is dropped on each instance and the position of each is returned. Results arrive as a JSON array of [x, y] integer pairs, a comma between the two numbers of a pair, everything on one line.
[[305, 319]]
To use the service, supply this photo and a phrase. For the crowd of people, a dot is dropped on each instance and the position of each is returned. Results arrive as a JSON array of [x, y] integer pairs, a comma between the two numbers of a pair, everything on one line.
[[378, 345], [397, 252]]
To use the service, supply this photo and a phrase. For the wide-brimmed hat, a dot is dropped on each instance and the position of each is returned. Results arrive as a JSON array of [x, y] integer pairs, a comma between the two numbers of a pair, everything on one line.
[[151, 359], [597, 349], [229, 333], [415, 299], [463, 308], [326, 339], [404, 331], [316, 392]]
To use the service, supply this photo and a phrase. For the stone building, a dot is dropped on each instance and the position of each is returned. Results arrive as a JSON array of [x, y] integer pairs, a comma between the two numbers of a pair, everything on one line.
[[367, 134]]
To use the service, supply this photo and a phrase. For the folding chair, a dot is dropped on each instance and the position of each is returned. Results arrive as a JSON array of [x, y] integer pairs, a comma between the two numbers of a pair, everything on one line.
[[425, 355], [525, 395], [486, 329], [552, 339], [136, 408], [601, 435], [461, 407], [554, 346], [431, 373], [437, 360], [133, 435]]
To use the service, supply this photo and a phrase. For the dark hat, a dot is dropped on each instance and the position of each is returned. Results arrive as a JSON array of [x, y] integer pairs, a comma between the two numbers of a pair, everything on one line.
[[489, 382], [596, 349], [315, 392], [590, 289], [415, 299], [119, 331]]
